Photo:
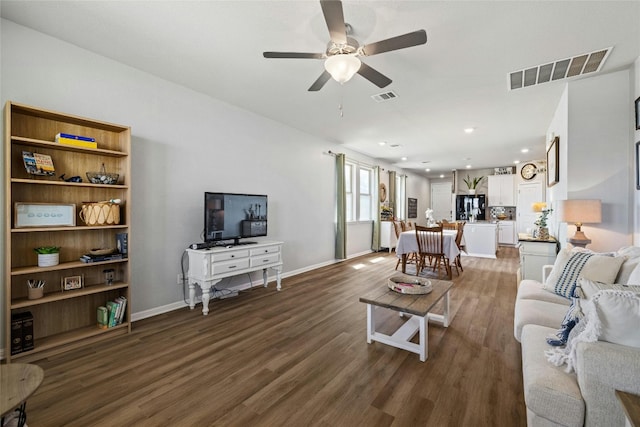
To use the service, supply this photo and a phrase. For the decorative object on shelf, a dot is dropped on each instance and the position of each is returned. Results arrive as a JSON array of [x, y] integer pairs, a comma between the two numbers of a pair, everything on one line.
[[101, 213], [38, 164], [103, 177], [410, 285], [109, 276], [579, 212], [553, 169], [48, 255], [386, 212], [35, 288], [101, 251], [44, 215], [76, 140], [72, 282], [542, 231], [72, 179], [508, 170], [472, 184], [528, 171]]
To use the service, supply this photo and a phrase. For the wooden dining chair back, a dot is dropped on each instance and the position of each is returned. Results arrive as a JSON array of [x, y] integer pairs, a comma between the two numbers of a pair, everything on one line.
[[459, 243], [411, 257], [431, 249], [449, 225]]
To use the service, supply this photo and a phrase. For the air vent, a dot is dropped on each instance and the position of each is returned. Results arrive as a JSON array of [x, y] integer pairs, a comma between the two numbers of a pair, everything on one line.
[[386, 96], [562, 69]]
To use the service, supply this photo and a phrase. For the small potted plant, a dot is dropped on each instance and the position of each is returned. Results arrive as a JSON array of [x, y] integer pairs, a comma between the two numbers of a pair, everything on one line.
[[542, 232], [472, 183], [48, 255]]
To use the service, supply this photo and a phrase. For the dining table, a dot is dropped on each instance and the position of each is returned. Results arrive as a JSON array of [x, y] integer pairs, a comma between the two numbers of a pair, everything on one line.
[[408, 243]]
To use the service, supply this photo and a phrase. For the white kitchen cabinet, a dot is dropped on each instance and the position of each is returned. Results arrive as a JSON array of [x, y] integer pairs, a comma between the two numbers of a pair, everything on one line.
[[502, 190], [481, 239], [507, 233], [388, 237]]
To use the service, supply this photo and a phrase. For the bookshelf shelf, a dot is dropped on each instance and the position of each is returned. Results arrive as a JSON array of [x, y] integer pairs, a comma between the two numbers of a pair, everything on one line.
[[62, 319]]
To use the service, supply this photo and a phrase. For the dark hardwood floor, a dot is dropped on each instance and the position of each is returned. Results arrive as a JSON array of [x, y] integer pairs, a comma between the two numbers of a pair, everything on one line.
[[299, 357]]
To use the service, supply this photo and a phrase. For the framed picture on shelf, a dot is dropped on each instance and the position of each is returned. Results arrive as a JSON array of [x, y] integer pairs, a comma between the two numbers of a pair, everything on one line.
[[638, 114], [72, 282], [553, 169], [44, 215], [638, 165]]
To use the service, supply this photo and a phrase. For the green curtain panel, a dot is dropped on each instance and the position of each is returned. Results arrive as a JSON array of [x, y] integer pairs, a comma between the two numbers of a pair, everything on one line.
[[375, 202], [341, 206]]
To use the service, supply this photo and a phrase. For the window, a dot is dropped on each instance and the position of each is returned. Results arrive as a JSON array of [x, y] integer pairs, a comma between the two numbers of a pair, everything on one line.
[[359, 189], [400, 212]]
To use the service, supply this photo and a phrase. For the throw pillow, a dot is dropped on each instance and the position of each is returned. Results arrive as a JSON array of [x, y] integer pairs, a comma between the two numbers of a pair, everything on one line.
[[571, 265], [634, 277], [588, 288]]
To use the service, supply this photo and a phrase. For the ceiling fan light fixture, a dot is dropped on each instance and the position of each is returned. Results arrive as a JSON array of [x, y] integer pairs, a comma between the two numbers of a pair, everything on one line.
[[342, 67]]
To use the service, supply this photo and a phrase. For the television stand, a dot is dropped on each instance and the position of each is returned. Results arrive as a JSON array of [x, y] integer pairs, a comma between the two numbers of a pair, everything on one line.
[[209, 266], [238, 243]]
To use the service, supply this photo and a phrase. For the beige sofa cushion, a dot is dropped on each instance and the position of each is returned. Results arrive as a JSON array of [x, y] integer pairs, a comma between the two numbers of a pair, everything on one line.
[[544, 313], [549, 391], [532, 289]]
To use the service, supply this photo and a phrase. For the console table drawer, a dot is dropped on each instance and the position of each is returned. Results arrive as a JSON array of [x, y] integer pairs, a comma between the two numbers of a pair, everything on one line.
[[225, 256], [267, 250], [228, 266], [265, 260]]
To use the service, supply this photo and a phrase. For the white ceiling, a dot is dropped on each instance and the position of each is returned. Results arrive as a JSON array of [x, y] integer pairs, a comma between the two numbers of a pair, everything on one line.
[[458, 79]]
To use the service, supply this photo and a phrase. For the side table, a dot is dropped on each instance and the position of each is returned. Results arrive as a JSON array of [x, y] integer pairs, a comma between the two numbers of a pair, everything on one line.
[[18, 381], [631, 405]]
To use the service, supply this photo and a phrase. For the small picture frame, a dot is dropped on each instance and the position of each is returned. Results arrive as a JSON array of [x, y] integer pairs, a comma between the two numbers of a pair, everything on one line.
[[637, 113], [72, 282], [553, 169]]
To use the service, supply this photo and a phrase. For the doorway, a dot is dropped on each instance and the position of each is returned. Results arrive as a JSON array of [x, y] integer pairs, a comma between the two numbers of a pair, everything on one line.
[[528, 194], [441, 201]]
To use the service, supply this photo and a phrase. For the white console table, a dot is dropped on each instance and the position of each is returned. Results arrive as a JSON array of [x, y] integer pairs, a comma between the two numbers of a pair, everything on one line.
[[209, 266]]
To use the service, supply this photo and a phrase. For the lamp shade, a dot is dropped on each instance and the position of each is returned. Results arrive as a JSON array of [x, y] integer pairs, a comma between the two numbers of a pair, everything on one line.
[[585, 211], [538, 206], [342, 66]]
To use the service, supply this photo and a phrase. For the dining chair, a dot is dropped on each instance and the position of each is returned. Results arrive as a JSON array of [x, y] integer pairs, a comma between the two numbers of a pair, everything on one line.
[[430, 247], [411, 257], [449, 225], [461, 246]]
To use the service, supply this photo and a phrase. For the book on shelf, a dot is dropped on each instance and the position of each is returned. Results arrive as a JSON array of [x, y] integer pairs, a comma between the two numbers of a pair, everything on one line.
[[21, 332], [115, 311], [38, 164], [103, 317], [76, 141], [123, 305], [88, 258], [112, 308], [78, 137]]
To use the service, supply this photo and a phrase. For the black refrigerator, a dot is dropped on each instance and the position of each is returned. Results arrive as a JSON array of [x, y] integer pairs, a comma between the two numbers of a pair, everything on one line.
[[467, 204]]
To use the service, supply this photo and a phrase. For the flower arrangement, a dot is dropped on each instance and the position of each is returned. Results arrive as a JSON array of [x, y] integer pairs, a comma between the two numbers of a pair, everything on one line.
[[541, 222], [429, 214]]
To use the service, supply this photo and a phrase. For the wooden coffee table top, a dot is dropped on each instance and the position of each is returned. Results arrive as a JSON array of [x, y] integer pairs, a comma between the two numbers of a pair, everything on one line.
[[419, 305], [17, 382]]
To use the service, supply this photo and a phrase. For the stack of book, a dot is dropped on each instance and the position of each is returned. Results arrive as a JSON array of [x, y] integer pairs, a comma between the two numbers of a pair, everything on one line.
[[100, 258], [113, 314], [76, 140]]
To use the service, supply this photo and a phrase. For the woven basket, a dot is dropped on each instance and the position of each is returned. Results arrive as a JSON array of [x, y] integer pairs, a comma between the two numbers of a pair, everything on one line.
[[100, 213], [410, 285]]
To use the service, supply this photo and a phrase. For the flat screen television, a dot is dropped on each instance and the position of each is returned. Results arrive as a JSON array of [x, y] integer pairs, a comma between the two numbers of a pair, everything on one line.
[[231, 216]]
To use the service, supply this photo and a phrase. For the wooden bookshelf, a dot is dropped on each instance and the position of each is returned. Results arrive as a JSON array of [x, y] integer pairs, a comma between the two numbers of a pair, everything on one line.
[[63, 319]]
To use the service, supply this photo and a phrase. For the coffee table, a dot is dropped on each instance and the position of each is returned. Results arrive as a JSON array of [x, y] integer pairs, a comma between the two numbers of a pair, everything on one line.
[[17, 382], [418, 306]]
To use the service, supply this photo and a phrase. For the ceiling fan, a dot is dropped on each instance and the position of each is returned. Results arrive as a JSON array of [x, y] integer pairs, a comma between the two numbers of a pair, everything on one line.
[[341, 56]]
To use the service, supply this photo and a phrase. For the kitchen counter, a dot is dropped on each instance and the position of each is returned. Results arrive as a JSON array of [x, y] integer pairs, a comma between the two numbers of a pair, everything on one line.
[[481, 239]]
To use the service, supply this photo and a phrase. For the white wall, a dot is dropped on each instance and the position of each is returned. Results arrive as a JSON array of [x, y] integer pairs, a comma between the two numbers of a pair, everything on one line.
[[635, 72], [592, 122], [183, 144]]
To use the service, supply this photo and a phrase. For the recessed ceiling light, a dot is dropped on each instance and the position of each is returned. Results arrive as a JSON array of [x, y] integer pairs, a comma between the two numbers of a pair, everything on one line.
[[382, 143], [404, 159], [441, 176], [426, 161], [469, 130], [524, 150], [468, 166], [427, 170], [516, 161]]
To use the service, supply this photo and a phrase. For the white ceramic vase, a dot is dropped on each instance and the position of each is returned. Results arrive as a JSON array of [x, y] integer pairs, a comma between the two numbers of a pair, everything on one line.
[[47, 260], [472, 191]]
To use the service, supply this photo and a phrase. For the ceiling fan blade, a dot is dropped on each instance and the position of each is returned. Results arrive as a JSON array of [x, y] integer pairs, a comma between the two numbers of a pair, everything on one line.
[[318, 84], [374, 76], [394, 43], [334, 17], [293, 55]]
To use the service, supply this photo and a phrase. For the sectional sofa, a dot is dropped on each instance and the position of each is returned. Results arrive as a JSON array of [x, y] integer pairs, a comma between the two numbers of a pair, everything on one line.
[[575, 385]]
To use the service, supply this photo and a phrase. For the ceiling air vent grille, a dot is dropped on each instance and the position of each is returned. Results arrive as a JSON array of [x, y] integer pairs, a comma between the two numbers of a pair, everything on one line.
[[386, 96], [558, 70]]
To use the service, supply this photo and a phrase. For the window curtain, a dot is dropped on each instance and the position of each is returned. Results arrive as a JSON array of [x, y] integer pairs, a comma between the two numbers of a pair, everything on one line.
[[402, 191], [392, 193], [375, 202], [341, 206]]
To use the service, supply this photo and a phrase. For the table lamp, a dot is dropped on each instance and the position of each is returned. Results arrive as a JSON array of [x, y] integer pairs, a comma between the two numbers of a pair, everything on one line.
[[578, 212]]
